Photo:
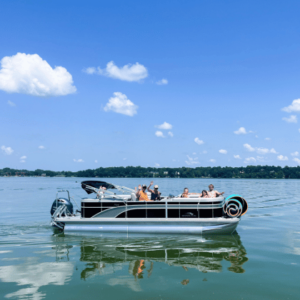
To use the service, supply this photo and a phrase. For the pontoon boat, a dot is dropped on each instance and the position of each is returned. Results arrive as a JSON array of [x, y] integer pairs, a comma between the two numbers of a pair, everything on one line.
[[121, 212]]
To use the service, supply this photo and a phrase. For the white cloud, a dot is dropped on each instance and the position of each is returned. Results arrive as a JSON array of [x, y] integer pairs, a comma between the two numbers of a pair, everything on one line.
[[291, 119], [297, 160], [96, 161], [121, 104], [30, 74], [124, 158], [192, 160], [268, 139], [294, 107], [256, 136], [194, 153], [38, 276], [198, 141], [237, 157], [204, 152], [250, 160], [11, 103], [130, 72], [222, 151], [7, 150], [41, 147], [159, 134], [170, 133], [241, 130], [90, 70], [262, 150], [281, 157], [260, 158], [249, 148], [157, 165], [78, 160], [162, 82], [164, 126], [23, 159], [296, 153], [212, 160], [259, 150], [265, 150]]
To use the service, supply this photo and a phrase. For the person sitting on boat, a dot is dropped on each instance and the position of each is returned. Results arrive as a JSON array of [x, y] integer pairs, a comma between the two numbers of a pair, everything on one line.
[[142, 194], [204, 194], [213, 193], [155, 194], [185, 193], [101, 192]]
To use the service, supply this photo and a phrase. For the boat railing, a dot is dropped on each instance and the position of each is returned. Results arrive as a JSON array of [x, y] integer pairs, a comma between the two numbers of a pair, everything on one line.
[[70, 198], [173, 207], [126, 208], [123, 189], [61, 191], [146, 209]]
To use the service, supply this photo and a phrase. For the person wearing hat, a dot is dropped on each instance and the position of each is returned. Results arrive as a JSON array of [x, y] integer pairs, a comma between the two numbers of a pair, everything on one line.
[[142, 194], [155, 194]]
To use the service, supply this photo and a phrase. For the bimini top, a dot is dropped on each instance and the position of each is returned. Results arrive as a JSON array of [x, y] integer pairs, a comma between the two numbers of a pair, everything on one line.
[[95, 184]]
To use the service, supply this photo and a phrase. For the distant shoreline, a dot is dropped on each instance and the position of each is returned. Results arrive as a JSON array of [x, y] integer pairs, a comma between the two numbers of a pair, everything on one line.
[[150, 178], [249, 172]]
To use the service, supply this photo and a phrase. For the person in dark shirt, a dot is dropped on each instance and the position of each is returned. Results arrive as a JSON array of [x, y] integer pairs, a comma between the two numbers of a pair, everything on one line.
[[155, 194]]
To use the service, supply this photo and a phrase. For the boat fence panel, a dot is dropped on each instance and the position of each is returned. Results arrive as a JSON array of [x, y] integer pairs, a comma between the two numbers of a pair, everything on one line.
[[155, 209]]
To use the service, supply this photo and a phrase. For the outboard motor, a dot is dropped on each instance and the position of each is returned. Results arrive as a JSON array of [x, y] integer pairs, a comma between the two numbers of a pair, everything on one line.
[[61, 201]]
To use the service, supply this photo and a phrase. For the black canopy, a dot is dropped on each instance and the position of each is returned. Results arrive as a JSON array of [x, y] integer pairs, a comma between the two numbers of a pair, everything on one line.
[[96, 184]]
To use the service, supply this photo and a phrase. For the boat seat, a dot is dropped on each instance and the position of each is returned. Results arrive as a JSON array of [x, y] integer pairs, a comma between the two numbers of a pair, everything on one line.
[[133, 197], [194, 196]]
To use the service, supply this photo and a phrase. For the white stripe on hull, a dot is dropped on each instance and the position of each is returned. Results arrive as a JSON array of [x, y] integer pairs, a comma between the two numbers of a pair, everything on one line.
[[188, 226]]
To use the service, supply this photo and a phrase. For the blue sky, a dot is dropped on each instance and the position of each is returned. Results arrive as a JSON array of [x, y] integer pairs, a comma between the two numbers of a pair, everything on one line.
[[85, 84]]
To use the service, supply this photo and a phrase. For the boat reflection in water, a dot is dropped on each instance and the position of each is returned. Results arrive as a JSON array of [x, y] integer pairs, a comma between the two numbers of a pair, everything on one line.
[[140, 256]]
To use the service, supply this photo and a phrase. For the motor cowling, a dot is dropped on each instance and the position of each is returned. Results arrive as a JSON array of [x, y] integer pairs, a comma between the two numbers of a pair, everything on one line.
[[61, 201]]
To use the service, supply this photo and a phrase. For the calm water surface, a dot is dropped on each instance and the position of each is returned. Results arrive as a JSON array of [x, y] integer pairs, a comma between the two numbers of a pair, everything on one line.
[[260, 261]]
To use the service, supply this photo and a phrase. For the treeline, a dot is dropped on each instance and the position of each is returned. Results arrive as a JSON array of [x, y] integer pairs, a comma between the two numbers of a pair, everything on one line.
[[199, 172]]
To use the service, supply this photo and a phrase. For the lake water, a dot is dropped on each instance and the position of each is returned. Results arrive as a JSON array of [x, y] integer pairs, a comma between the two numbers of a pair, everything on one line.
[[260, 261]]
